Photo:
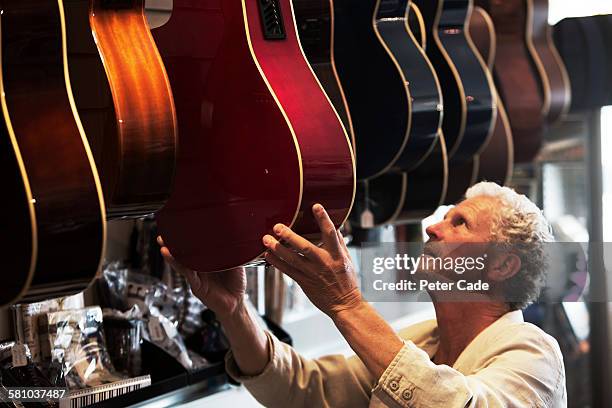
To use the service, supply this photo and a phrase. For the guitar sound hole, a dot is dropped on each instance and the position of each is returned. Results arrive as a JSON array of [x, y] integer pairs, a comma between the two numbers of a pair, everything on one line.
[[272, 20]]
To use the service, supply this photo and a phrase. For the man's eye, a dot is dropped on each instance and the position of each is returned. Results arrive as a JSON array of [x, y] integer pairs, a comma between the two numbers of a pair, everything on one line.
[[460, 221]]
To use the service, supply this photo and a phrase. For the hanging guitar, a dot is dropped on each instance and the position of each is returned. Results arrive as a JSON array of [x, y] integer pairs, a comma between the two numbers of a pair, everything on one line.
[[57, 206], [582, 46], [315, 23], [18, 222], [469, 104], [518, 85], [124, 99], [556, 90], [260, 142], [399, 197], [374, 87], [496, 161]]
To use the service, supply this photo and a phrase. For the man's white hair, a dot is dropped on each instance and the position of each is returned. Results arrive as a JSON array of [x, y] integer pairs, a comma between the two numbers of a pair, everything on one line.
[[520, 225]]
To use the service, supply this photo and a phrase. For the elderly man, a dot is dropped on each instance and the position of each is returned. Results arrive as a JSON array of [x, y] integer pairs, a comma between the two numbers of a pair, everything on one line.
[[475, 354]]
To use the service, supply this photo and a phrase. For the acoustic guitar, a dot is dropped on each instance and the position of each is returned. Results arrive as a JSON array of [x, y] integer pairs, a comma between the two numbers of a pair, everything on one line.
[[496, 161], [401, 197], [374, 86], [469, 104], [56, 214], [556, 90], [260, 142], [518, 85], [424, 92], [315, 23], [123, 96], [18, 222]]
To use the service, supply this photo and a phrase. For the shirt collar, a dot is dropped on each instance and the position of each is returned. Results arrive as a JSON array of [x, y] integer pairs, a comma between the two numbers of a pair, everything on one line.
[[429, 340]]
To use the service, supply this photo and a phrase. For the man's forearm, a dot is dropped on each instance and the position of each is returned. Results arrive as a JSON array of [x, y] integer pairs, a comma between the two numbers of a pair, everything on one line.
[[370, 337], [248, 341]]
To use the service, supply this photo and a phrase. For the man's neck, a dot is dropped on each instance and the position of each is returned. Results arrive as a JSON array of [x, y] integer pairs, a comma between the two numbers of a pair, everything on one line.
[[460, 322]]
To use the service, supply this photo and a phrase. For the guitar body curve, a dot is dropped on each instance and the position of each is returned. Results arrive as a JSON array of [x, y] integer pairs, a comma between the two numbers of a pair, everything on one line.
[[470, 106], [124, 97], [375, 92], [315, 22], [65, 189], [427, 185], [260, 143], [403, 197], [496, 161], [422, 87], [517, 83], [582, 45], [18, 220], [556, 90]]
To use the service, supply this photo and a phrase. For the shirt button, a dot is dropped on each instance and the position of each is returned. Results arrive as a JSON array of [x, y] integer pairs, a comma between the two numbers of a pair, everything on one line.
[[407, 394], [394, 385]]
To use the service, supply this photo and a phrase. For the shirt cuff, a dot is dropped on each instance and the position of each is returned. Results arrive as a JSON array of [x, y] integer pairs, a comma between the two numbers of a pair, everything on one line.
[[233, 370], [393, 387]]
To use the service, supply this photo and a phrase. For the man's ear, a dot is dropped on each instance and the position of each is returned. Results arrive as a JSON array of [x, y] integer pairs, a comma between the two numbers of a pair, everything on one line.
[[504, 266]]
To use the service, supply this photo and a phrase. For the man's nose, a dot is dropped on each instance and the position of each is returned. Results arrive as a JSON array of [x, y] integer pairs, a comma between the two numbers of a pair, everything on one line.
[[434, 232]]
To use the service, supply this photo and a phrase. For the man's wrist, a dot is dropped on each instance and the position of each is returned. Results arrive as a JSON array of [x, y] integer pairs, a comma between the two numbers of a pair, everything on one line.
[[348, 309], [235, 315]]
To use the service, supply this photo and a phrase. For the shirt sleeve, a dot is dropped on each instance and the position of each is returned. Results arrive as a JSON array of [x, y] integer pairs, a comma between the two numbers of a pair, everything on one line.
[[290, 380], [529, 375]]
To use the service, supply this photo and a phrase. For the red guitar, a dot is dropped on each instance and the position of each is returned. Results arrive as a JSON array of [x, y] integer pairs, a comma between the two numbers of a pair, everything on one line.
[[259, 142]]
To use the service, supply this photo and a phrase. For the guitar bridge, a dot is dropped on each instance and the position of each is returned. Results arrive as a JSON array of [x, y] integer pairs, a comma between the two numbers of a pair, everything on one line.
[[271, 20]]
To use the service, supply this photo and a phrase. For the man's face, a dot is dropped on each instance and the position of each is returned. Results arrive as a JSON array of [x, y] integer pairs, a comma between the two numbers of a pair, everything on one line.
[[465, 232], [469, 221]]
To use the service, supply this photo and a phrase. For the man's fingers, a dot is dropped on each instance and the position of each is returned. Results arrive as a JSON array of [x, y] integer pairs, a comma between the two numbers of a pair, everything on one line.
[[192, 277], [160, 241], [284, 267], [295, 241], [329, 236], [342, 243], [281, 251]]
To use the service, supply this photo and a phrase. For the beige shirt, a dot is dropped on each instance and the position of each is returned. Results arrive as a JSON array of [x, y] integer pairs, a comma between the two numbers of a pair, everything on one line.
[[509, 364]]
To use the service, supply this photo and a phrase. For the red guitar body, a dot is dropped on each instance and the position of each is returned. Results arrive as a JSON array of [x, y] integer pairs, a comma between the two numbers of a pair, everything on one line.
[[259, 142]]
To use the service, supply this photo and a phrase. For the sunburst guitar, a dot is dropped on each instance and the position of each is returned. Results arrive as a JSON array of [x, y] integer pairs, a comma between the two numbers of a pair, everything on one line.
[[123, 96], [54, 219]]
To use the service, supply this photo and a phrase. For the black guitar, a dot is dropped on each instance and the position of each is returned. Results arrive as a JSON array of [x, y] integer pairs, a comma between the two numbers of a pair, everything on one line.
[[581, 44], [374, 87], [399, 197], [469, 103], [424, 90]]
